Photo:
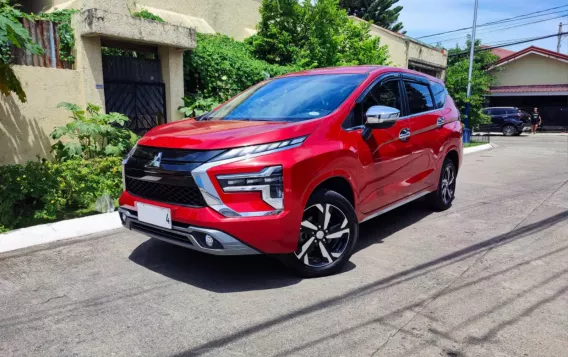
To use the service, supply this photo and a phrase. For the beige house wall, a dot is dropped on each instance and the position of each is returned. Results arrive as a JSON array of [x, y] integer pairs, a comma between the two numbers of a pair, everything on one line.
[[532, 69], [403, 49], [25, 127]]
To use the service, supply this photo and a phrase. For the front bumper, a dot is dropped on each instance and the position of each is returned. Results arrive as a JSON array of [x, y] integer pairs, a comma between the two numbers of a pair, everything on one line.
[[187, 236]]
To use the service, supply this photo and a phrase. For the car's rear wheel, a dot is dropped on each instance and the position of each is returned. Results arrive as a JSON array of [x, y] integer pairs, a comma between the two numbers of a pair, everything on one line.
[[328, 233], [509, 130], [442, 198]]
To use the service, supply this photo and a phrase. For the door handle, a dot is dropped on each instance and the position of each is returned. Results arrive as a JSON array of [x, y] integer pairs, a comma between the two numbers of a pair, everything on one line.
[[440, 122], [404, 134]]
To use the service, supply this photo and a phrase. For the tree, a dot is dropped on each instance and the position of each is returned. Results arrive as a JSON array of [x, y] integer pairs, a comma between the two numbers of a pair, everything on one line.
[[313, 34], [12, 33], [457, 78], [380, 12]]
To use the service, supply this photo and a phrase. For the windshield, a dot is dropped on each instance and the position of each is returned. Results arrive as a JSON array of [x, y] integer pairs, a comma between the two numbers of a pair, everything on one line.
[[290, 98]]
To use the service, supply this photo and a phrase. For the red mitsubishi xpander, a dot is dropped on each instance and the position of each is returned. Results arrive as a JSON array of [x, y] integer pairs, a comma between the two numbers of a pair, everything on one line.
[[292, 165]]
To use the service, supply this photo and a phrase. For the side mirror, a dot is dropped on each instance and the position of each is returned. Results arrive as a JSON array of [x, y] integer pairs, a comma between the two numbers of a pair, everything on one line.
[[381, 117]]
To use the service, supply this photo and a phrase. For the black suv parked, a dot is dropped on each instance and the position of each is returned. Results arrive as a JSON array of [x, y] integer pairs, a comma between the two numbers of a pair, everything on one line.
[[509, 120]]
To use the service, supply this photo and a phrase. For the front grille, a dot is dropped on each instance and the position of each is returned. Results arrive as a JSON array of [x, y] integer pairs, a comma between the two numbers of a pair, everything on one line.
[[162, 192]]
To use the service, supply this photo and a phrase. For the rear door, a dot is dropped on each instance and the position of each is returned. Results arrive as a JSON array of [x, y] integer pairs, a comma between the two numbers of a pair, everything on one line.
[[385, 158], [425, 119], [498, 118]]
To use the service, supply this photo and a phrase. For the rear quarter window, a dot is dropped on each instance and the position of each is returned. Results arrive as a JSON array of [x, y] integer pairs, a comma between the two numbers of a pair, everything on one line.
[[440, 93]]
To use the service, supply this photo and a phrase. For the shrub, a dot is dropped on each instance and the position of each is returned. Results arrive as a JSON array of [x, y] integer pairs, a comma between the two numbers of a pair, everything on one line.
[[196, 105], [97, 134], [51, 190], [220, 67]]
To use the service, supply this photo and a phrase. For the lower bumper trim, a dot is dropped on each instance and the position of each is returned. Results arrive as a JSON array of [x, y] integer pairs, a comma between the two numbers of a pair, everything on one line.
[[184, 235]]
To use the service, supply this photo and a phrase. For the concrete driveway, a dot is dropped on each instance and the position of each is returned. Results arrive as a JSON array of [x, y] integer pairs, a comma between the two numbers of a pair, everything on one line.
[[489, 277]]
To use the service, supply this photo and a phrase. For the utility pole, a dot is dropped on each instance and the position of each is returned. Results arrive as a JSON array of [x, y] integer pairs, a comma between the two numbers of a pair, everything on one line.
[[559, 38], [471, 55]]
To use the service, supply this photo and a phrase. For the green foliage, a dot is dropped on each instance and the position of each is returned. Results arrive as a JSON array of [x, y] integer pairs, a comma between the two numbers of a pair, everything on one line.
[[92, 134], [196, 105], [66, 36], [380, 12], [457, 78], [314, 34], [49, 190], [12, 33], [220, 67], [145, 14]]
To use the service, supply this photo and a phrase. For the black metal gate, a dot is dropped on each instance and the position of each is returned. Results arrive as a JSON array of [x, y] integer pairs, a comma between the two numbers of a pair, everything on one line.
[[134, 87]]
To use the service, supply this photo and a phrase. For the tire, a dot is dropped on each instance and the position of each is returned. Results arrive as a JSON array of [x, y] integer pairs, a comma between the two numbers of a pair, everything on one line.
[[509, 130], [328, 234], [442, 198]]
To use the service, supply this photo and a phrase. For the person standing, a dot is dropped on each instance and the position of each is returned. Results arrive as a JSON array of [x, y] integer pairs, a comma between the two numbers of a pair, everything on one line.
[[536, 120]]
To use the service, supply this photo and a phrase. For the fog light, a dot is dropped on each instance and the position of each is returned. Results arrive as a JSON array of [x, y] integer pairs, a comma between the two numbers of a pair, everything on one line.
[[122, 217], [209, 240]]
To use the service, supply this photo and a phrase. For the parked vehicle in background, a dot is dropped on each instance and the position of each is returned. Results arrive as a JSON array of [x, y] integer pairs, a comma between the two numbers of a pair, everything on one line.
[[508, 120], [292, 165]]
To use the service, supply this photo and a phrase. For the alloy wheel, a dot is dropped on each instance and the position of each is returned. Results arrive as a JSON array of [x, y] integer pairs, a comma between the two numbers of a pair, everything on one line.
[[324, 235], [448, 184]]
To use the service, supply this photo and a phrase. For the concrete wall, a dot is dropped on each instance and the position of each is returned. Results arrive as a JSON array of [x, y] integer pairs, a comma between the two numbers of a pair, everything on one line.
[[230, 17], [25, 127], [402, 48], [532, 69], [235, 18]]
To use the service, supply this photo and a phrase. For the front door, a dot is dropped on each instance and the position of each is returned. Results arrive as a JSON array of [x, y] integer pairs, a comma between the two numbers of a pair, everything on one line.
[[385, 157]]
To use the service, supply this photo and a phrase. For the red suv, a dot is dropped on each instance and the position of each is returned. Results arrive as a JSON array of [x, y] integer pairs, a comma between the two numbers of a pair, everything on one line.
[[292, 165]]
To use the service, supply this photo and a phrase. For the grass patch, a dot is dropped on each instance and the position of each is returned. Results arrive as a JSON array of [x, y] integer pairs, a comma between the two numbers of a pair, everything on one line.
[[469, 145]]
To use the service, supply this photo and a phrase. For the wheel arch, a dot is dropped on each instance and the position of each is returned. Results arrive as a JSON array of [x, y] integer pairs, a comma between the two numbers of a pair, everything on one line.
[[454, 156], [335, 181]]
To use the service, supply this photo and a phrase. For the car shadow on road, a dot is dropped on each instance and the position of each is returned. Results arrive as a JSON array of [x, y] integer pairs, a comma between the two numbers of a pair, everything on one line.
[[221, 274]]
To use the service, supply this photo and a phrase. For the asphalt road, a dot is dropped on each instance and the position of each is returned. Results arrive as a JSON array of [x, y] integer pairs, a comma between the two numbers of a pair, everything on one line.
[[489, 277]]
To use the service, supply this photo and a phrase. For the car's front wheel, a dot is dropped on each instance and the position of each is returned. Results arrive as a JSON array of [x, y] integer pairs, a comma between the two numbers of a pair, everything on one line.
[[328, 234]]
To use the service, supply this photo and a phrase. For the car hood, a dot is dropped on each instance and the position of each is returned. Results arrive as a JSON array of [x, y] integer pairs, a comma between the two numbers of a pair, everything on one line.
[[224, 134]]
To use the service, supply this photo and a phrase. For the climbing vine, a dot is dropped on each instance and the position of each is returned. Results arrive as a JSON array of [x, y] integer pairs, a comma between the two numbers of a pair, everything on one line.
[[145, 14], [66, 36]]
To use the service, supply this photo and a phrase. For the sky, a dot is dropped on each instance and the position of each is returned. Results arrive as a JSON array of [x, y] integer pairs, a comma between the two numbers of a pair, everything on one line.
[[425, 17]]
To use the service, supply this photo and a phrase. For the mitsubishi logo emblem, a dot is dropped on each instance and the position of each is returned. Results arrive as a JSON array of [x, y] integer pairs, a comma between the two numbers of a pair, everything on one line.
[[156, 161]]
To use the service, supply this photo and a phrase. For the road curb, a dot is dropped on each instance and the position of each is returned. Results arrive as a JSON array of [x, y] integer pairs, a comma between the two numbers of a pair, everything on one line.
[[478, 148], [46, 233]]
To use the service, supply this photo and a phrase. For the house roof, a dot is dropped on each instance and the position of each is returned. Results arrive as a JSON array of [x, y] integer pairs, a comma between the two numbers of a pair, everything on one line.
[[531, 50], [501, 52], [545, 88]]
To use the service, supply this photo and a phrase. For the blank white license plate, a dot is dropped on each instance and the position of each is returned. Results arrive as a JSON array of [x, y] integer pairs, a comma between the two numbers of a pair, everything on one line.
[[158, 216]]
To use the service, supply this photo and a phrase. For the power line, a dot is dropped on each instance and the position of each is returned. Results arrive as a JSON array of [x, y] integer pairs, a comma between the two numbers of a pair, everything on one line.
[[496, 22], [508, 44], [501, 29]]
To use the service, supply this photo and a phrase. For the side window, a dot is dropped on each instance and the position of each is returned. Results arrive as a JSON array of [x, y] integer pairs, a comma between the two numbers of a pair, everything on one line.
[[440, 93], [498, 111], [512, 111], [386, 93], [419, 97]]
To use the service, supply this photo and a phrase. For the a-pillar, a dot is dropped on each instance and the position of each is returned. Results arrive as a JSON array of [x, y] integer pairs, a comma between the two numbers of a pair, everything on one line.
[[171, 60]]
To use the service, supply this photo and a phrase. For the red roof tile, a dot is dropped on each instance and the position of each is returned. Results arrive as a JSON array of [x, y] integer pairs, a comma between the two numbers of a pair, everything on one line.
[[533, 88]]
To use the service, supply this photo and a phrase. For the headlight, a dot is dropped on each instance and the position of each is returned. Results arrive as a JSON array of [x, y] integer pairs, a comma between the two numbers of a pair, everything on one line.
[[269, 182], [258, 149]]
